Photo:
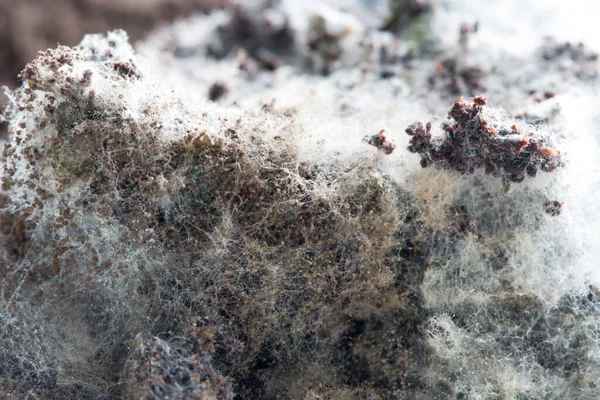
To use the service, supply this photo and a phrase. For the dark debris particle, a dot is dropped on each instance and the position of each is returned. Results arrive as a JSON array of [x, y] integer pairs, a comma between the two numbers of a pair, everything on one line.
[[404, 12], [126, 69], [553, 208], [381, 142], [547, 95], [217, 90], [474, 141]]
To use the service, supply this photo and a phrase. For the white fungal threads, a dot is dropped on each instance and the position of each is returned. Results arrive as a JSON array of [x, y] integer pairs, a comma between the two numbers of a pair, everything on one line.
[[280, 241]]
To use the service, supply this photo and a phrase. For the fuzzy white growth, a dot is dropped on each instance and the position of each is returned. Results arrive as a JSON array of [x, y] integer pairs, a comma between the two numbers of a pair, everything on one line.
[[268, 228]]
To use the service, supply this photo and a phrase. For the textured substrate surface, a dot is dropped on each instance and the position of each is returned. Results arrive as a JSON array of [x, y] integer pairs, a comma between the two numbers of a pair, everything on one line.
[[289, 200]]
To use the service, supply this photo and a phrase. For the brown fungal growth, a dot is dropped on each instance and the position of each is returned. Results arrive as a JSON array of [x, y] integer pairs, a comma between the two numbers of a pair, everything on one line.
[[475, 141], [553, 208], [236, 229], [381, 142], [572, 59], [576, 52], [325, 47], [125, 68], [237, 250], [262, 32], [455, 74], [547, 95]]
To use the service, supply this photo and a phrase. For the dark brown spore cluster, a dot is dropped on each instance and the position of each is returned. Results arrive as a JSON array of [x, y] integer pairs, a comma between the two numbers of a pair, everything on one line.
[[455, 74], [325, 48], [574, 59], [261, 31], [475, 141], [553, 208], [381, 142], [574, 51]]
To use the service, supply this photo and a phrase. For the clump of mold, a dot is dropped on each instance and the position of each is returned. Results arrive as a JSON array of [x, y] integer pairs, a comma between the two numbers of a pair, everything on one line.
[[215, 233], [476, 141], [457, 74], [143, 221], [262, 31]]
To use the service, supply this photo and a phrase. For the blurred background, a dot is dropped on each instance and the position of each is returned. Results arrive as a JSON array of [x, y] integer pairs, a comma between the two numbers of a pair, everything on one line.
[[513, 26], [28, 26]]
